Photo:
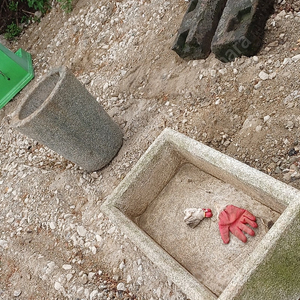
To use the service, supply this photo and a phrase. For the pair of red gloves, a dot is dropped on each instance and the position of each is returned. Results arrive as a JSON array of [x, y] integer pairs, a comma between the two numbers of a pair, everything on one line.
[[234, 219]]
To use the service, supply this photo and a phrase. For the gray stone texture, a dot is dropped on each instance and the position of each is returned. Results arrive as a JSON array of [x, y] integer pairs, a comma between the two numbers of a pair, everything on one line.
[[197, 29], [241, 28], [270, 270], [278, 277], [60, 113]]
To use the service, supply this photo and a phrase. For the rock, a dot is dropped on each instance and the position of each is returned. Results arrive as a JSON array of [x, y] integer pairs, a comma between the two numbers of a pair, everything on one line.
[[98, 238], [57, 286], [223, 71], [263, 75], [287, 177], [273, 44], [121, 287], [91, 275], [116, 277], [272, 75], [286, 61], [93, 295], [69, 277], [52, 225], [10, 220], [292, 152], [4, 41], [81, 231], [122, 265], [294, 168], [102, 287], [241, 88], [289, 125], [38, 14], [111, 230], [3, 244], [84, 279], [258, 85], [129, 279], [67, 267], [277, 64], [282, 14], [258, 128], [198, 26], [94, 175], [17, 293], [93, 249], [241, 29], [296, 58]]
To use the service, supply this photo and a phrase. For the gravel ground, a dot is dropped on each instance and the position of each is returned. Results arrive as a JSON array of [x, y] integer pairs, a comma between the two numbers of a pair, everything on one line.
[[55, 243]]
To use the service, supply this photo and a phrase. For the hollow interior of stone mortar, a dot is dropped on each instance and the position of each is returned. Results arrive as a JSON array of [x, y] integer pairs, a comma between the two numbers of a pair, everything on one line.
[[38, 96], [158, 210]]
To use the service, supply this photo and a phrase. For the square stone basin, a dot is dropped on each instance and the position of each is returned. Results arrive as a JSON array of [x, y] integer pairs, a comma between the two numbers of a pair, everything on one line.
[[176, 173]]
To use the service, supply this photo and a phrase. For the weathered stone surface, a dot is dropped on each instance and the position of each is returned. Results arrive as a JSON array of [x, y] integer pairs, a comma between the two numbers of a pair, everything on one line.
[[278, 276], [60, 113], [145, 208], [197, 29], [241, 28]]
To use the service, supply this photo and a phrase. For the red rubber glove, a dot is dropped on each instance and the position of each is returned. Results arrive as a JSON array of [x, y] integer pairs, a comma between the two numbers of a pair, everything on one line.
[[207, 212], [233, 219]]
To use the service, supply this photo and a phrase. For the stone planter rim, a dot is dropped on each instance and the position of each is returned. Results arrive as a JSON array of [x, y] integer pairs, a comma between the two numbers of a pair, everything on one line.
[[17, 121]]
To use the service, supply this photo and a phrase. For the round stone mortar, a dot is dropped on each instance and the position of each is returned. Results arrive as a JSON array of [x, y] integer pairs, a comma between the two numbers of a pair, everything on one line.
[[60, 113]]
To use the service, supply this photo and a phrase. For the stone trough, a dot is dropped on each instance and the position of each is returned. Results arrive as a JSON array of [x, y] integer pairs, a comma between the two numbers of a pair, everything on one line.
[[176, 173]]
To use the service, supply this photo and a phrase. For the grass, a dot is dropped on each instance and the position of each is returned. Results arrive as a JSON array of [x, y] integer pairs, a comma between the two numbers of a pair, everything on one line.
[[14, 13]]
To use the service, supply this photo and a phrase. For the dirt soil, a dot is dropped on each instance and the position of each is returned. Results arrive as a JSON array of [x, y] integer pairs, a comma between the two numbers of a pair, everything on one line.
[[55, 243]]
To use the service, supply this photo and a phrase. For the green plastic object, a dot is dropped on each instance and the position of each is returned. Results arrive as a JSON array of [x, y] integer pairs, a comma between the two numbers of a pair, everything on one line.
[[16, 71]]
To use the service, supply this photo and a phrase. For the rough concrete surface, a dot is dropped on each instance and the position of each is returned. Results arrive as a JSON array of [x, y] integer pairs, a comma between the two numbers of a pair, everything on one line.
[[200, 249], [205, 178], [61, 114], [55, 241]]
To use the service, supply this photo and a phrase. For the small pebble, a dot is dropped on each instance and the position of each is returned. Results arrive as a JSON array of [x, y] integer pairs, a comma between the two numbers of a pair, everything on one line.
[[121, 286], [263, 75], [296, 58], [81, 231], [93, 294], [67, 267], [84, 279], [17, 293], [57, 286]]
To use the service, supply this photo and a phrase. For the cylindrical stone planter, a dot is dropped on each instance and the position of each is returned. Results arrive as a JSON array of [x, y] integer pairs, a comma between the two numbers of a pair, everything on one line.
[[60, 113]]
